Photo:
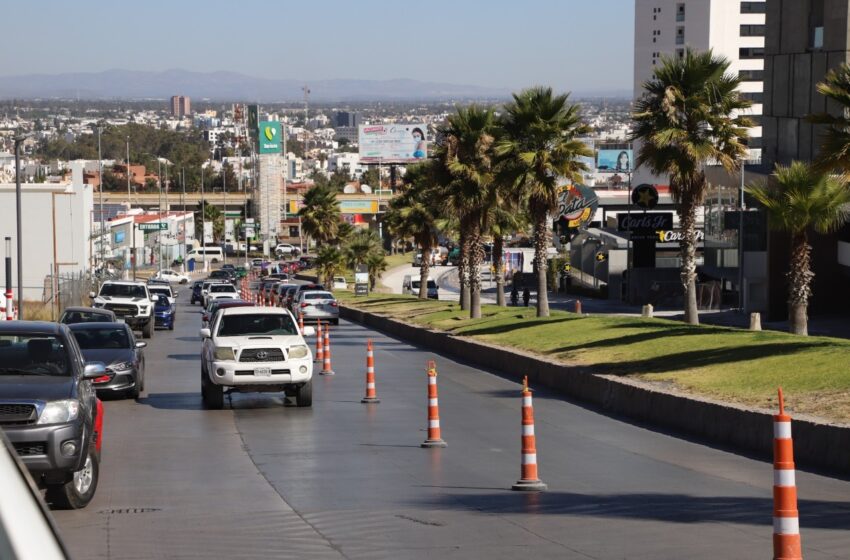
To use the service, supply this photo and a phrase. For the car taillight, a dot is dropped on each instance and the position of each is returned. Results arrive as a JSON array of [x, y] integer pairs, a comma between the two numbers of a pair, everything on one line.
[[304, 304], [334, 304]]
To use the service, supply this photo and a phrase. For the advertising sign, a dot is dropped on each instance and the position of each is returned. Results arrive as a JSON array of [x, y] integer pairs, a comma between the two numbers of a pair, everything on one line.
[[119, 237], [671, 236], [358, 206], [393, 143], [614, 161], [576, 205], [270, 137], [253, 120], [648, 221], [208, 232], [645, 196]]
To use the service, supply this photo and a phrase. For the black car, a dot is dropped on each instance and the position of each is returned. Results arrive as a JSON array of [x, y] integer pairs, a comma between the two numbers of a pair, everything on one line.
[[49, 410], [196, 292], [73, 315], [116, 347]]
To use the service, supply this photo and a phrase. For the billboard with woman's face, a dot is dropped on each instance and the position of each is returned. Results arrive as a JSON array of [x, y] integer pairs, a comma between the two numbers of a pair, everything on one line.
[[614, 161], [393, 143]]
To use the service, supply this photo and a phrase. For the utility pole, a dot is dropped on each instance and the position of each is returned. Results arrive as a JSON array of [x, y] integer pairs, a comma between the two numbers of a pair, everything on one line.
[[224, 185], [306, 91], [183, 245], [129, 199], [203, 218], [102, 217], [18, 140], [741, 242]]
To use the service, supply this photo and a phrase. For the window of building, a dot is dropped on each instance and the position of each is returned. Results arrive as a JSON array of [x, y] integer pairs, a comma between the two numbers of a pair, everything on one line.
[[752, 30], [753, 96], [751, 52], [753, 7], [751, 75], [680, 11], [680, 35], [816, 24], [680, 53]]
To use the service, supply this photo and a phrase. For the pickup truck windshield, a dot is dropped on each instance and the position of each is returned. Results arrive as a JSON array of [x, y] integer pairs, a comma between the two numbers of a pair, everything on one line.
[[33, 355], [257, 325], [123, 290], [222, 288]]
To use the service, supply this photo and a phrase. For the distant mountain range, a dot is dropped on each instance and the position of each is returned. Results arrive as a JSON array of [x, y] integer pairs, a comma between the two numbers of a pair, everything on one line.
[[228, 86]]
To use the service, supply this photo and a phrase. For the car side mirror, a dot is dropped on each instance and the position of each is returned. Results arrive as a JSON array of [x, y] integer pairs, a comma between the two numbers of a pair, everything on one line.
[[154, 299], [205, 333], [309, 331], [93, 370], [141, 344], [92, 295]]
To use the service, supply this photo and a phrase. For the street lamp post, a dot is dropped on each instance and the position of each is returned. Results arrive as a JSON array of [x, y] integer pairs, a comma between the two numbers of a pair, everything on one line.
[[129, 200], [99, 128], [18, 140]]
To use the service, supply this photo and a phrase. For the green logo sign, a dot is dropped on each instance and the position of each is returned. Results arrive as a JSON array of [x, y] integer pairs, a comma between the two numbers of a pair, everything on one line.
[[153, 226], [270, 137]]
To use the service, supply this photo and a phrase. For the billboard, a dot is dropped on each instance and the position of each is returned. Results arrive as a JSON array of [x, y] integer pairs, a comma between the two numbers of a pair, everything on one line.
[[615, 161], [253, 120], [576, 205], [393, 143], [358, 206], [270, 137]]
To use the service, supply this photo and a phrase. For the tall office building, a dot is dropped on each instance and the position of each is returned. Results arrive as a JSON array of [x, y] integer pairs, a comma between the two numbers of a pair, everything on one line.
[[346, 119], [181, 106], [731, 28]]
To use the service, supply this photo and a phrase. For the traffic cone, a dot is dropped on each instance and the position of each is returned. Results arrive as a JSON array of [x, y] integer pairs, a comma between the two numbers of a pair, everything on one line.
[[327, 369], [319, 357], [786, 519], [301, 323], [371, 393], [434, 439], [578, 307], [528, 481]]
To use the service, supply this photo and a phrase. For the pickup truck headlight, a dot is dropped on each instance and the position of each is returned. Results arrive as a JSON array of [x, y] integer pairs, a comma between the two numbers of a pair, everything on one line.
[[224, 353], [299, 351], [59, 412]]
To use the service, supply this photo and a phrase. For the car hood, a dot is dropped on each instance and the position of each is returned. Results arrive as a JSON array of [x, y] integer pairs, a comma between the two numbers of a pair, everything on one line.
[[37, 387], [259, 341], [121, 299], [108, 355]]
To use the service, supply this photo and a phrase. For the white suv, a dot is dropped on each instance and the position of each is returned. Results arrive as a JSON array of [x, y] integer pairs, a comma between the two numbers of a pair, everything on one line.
[[286, 249], [131, 302], [255, 349]]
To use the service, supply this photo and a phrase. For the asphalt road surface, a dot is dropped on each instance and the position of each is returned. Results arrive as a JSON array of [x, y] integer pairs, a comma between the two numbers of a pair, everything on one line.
[[347, 480]]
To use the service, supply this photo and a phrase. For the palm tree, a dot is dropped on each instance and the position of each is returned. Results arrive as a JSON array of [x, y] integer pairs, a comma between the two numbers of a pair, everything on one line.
[[505, 219], [539, 147], [320, 214], [690, 116], [835, 146], [359, 246], [328, 262], [376, 264], [413, 214], [466, 158], [800, 198]]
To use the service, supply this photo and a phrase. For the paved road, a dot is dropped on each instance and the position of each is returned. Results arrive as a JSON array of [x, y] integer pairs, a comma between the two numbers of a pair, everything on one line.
[[347, 480]]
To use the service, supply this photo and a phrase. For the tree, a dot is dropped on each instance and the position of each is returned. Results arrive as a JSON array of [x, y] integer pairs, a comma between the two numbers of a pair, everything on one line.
[[505, 219], [800, 198], [320, 214], [360, 244], [328, 262], [835, 146], [466, 157], [212, 215], [538, 148], [376, 264], [226, 178], [690, 115]]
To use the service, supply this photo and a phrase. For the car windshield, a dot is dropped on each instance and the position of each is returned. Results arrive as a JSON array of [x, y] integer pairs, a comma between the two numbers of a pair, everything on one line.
[[318, 295], [219, 274], [164, 291], [71, 317], [257, 325], [222, 288], [102, 338], [34, 354], [123, 290]]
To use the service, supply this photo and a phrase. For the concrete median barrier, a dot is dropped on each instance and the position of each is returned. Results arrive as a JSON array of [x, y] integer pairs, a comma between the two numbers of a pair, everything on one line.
[[816, 444]]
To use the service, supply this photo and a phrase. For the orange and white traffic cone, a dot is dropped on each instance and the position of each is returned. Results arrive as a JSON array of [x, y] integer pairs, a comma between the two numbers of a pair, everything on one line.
[[786, 518], [371, 392], [319, 356], [301, 323], [528, 480], [434, 436], [326, 358]]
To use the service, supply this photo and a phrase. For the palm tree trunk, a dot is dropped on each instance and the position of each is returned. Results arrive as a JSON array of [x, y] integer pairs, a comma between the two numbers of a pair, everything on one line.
[[462, 266], [424, 272], [475, 257], [687, 249], [498, 269], [541, 243], [800, 278]]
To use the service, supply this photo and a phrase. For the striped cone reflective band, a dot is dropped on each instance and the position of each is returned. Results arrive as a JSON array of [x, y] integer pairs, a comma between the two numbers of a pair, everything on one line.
[[301, 323], [326, 358], [528, 478], [11, 312], [786, 518], [371, 392], [434, 436], [319, 353]]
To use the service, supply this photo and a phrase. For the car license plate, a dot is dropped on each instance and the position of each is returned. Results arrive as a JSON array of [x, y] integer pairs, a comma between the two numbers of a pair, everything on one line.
[[263, 372]]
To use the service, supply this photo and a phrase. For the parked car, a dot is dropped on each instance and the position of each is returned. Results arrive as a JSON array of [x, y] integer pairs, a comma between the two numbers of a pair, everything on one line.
[[130, 301], [221, 291], [286, 249], [253, 349], [410, 286], [49, 410], [339, 283], [73, 315], [115, 346], [197, 295], [171, 276], [165, 313], [317, 306]]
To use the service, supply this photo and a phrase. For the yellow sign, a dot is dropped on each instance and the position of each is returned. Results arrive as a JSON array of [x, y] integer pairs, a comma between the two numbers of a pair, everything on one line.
[[358, 206], [293, 206]]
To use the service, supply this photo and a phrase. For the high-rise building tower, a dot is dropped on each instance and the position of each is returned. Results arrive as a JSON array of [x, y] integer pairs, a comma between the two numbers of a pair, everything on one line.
[[181, 106]]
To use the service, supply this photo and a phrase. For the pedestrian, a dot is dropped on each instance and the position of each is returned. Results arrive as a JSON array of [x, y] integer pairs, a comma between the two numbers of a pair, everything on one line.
[[526, 295], [514, 295]]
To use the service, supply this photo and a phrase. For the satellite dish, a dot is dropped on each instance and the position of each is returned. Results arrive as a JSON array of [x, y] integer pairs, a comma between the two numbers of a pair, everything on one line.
[[365, 189], [349, 189]]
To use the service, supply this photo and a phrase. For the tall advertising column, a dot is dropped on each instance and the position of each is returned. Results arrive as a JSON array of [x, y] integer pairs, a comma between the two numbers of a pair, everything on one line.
[[268, 195]]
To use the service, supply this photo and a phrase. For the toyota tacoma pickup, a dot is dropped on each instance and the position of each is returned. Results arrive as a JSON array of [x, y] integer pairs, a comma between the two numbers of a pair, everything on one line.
[[255, 349], [130, 301]]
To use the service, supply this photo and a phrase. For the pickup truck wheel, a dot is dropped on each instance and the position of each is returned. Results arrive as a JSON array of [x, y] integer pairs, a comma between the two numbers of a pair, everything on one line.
[[79, 491], [147, 330], [212, 394], [304, 396]]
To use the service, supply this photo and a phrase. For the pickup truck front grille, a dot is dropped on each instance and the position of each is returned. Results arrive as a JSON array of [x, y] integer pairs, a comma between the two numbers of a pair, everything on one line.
[[122, 308], [251, 372], [29, 448], [261, 355], [17, 414]]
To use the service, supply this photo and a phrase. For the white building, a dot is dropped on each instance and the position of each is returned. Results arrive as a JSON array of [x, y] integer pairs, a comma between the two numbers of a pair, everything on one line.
[[346, 162], [731, 28]]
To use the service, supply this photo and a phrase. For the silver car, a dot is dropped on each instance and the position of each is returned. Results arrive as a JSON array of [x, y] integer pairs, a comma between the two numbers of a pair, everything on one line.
[[317, 305]]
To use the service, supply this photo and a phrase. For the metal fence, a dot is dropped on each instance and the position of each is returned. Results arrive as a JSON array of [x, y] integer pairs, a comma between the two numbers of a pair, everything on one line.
[[69, 289]]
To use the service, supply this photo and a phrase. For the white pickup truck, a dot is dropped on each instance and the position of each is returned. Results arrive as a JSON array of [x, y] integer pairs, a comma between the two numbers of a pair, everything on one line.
[[255, 349], [130, 301]]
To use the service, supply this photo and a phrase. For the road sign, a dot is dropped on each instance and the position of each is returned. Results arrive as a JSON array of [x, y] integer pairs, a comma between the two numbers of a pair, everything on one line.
[[153, 226], [361, 289]]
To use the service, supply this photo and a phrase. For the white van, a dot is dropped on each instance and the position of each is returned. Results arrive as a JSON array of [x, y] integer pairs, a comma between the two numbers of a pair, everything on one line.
[[211, 254], [410, 286]]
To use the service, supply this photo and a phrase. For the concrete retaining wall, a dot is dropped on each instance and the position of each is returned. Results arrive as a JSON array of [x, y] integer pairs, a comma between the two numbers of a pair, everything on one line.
[[815, 444]]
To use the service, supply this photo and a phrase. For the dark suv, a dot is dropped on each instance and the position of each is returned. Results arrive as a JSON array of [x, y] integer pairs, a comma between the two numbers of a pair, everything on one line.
[[48, 409]]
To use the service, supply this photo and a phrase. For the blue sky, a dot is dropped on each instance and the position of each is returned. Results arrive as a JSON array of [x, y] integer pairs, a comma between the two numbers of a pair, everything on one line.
[[577, 45]]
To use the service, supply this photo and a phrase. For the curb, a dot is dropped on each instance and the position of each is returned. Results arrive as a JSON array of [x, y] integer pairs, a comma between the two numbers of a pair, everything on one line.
[[817, 445]]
